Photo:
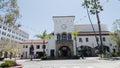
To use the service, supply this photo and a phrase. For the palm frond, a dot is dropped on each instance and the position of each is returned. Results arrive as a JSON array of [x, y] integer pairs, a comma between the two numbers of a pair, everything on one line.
[[44, 35], [39, 36]]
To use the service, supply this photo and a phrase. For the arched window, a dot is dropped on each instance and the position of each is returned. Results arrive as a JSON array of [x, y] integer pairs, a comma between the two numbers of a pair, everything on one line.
[[64, 36], [58, 36], [69, 37]]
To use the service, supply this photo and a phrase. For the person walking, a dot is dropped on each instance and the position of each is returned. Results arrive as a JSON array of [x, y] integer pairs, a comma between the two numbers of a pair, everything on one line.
[[82, 54]]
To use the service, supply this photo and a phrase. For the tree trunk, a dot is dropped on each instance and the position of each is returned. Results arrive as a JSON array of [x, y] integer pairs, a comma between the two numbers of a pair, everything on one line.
[[92, 25], [99, 26]]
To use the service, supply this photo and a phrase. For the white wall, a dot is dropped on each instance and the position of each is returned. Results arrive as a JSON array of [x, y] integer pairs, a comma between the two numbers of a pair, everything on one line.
[[60, 20], [92, 41], [51, 45], [23, 50]]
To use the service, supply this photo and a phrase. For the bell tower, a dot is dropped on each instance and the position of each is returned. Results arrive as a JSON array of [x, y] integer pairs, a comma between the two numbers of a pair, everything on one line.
[[63, 26]]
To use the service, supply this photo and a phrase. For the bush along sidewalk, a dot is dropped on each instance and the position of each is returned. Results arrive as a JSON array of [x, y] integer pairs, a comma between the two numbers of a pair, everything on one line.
[[10, 64], [109, 55], [43, 58], [1, 58], [76, 57]]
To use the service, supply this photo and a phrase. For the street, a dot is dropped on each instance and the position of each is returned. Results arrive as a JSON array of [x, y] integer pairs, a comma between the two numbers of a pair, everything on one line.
[[90, 62]]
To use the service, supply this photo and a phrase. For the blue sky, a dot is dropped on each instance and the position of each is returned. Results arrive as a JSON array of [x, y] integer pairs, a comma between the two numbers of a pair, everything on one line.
[[37, 14]]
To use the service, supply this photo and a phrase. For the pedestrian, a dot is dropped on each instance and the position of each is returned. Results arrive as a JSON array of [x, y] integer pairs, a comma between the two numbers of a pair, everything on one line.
[[82, 55]]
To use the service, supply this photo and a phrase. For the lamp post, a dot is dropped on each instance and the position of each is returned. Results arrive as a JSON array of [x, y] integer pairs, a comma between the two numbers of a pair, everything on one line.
[[31, 52], [93, 49]]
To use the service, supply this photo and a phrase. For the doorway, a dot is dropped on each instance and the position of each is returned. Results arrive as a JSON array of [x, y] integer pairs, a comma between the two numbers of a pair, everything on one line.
[[39, 54], [86, 51], [64, 51]]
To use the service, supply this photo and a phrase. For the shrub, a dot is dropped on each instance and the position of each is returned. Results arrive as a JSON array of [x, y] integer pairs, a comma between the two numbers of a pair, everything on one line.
[[114, 54], [1, 59], [76, 57], [118, 54], [101, 55], [7, 64], [44, 58]]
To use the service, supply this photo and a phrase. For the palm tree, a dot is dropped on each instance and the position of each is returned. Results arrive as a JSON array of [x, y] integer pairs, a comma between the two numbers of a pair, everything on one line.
[[88, 14], [44, 36], [75, 34], [95, 8]]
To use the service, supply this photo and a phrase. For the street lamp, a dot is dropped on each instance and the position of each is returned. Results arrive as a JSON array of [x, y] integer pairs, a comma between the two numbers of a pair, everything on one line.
[[93, 49], [31, 52]]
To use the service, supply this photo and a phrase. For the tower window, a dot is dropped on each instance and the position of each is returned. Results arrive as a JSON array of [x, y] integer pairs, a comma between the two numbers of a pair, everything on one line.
[[69, 37], [64, 37], [58, 36]]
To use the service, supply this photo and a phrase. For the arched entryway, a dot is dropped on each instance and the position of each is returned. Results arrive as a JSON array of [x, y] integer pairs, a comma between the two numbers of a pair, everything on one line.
[[85, 50], [64, 51], [105, 48]]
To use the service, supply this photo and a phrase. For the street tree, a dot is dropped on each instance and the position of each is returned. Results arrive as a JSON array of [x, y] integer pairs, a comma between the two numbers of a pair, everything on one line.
[[9, 46], [3, 44], [115, 35], [9, 11]]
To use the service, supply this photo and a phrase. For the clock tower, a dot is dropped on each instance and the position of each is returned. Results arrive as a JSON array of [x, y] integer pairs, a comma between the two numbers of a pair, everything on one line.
[[63, 24]]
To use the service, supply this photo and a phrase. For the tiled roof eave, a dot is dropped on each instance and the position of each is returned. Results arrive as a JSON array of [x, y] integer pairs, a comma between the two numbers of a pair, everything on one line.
[[32, 43], [90, 34]]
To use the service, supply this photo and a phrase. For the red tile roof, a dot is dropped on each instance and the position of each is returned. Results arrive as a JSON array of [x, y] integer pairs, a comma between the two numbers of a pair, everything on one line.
[[92, 33], [33, 42]]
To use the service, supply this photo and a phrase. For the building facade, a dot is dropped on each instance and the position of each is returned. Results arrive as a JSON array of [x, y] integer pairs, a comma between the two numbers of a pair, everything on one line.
[[37, 47], [63, 44], [10, 36], [10, 32]]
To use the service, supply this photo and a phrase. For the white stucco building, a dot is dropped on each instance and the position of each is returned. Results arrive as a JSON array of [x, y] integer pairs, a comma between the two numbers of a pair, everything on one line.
[[62, 44], [37, 45], [12, 33], [10, 36]]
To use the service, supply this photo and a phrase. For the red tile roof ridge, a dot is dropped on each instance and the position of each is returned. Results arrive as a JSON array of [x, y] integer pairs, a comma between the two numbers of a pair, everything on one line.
[[33, 42]]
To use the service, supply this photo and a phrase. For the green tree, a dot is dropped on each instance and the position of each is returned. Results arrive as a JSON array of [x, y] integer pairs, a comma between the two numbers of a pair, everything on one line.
[[88, 14], [3, 44], [44, 36], [115, 35], [9, 46], [9, 11], [75, 34], [94, 7]]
